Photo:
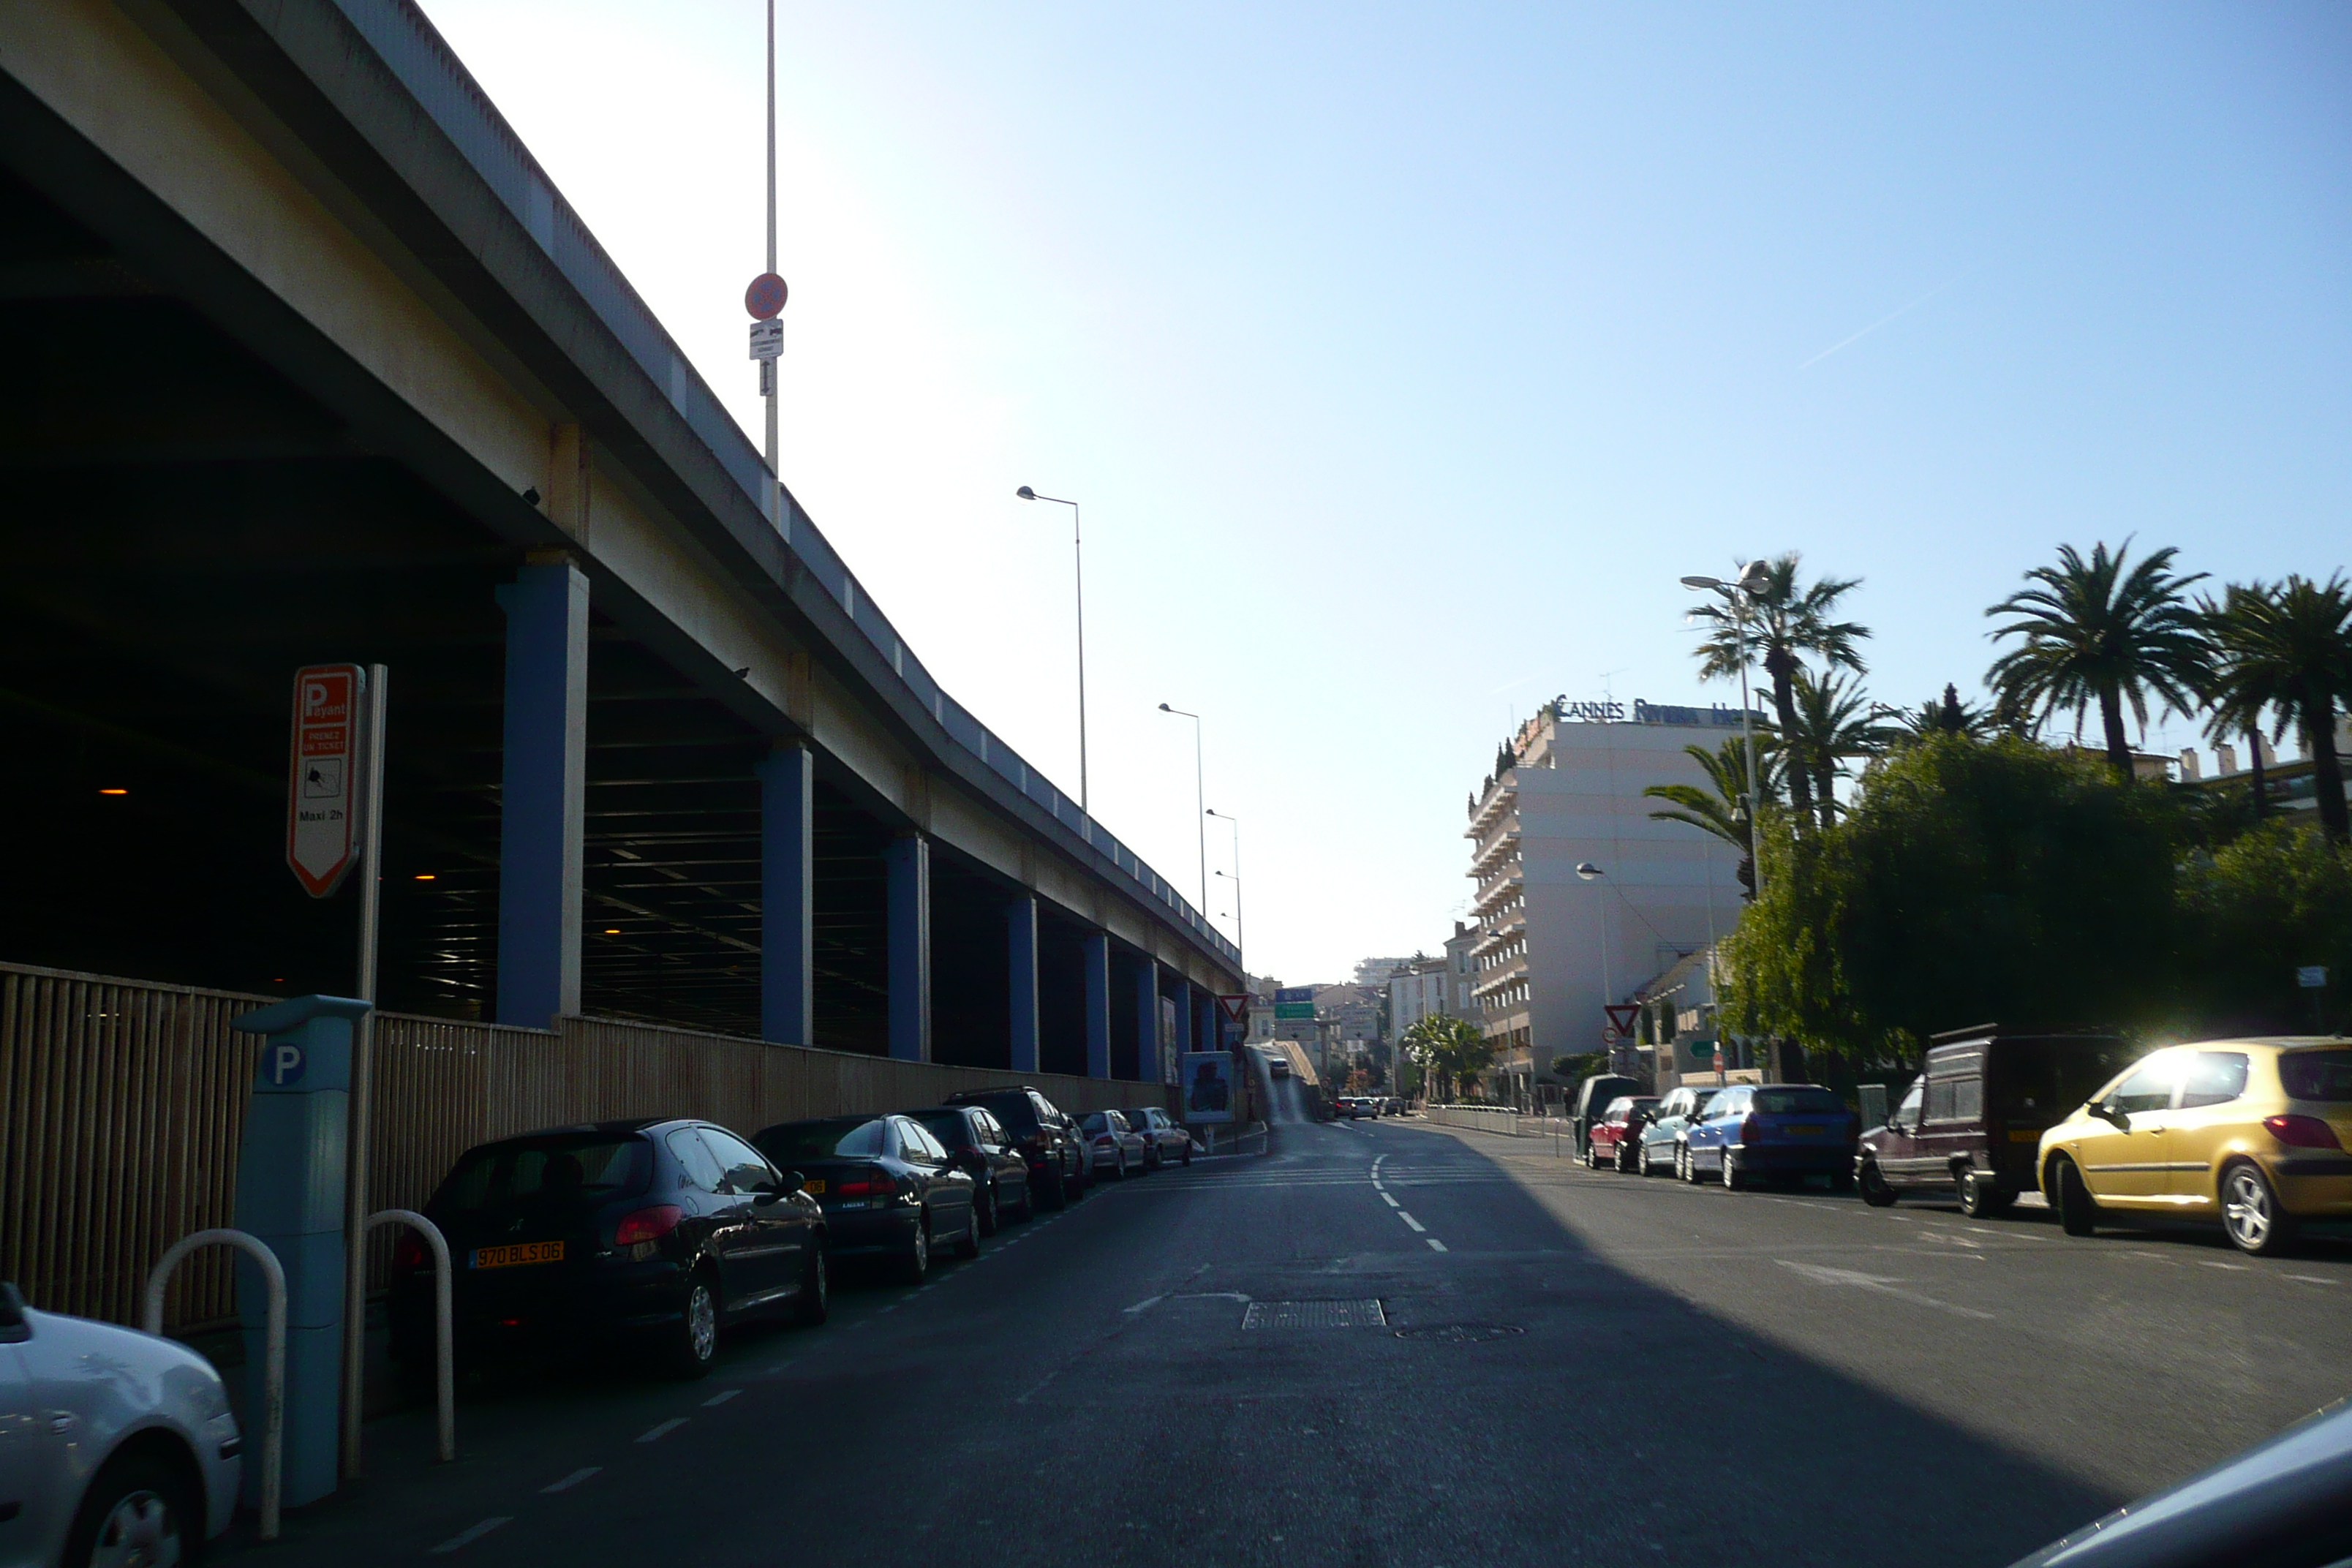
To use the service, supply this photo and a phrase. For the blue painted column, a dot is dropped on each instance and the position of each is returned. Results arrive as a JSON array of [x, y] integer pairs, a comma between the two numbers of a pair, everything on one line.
[[787, 894], [1204, 1019], [1021, 955], [908, 862], [1097, 963], [542, 795], [1146, 1021]]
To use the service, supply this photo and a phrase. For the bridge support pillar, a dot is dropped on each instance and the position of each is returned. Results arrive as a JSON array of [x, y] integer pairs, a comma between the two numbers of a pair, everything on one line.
[[1146, 1021], [1204, 1019], [543, 794], [787, 895], [1021, 955], [909, 864], [1096, 962]]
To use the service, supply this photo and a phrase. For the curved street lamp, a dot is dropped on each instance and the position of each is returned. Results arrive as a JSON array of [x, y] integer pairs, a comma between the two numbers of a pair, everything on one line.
[[1077, 555], [1753, 579], [1200, 828], [1589, 872]]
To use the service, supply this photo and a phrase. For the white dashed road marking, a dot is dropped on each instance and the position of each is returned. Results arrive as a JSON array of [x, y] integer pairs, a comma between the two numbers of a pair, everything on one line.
[[1416, 1224], [721, 1397], [1390, 1202], [655, 1434], [466, 1538], [573, 1479], [1434, 1245]]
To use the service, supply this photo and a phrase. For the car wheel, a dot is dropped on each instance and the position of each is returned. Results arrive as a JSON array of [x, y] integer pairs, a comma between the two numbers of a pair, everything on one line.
[[1188, 1150], [915, 1263], [815, 1302], [1873, 1183], [137, 1510], [1626, 1154], [984, 1207], [1983, 1198], [1641, 1161], [1732, 1176], [2251, 1212], [1053, 1189], [2078, 1211], [968, 1247], [691, 1344]]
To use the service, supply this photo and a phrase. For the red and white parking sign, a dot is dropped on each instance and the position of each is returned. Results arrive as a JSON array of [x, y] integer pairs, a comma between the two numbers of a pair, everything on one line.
[[322, 803]]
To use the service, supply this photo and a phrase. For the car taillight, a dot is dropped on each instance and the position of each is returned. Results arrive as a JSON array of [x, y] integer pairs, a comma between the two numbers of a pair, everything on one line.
[[647, 1225], [408, 1254], [874, 1183], [2302, 1131], [1104, 1140], [1751, 1128]]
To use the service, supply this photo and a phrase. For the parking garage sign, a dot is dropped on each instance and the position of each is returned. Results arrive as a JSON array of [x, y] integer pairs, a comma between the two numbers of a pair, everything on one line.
[[322, 803]]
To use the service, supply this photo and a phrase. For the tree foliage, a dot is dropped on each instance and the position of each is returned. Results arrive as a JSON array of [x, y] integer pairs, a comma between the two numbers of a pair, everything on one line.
[[2282, 656], [1972, 882], [1449, 1050], [1721, 809], [1778, 628], [2275, 899]]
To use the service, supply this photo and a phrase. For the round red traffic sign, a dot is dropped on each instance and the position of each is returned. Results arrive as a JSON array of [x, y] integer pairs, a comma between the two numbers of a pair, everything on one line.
[[765, 297]]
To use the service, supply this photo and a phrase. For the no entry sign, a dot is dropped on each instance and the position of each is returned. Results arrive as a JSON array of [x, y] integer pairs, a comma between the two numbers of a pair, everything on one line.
[[322, 802]]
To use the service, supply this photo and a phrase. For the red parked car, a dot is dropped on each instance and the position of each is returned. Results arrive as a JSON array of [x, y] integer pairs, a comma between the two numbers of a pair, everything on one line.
[[1615, 1140]]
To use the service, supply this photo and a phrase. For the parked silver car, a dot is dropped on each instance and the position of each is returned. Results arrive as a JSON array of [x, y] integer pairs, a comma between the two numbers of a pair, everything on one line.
[[1163, 1138], [1112, 1146], [1661, 1146], [115, 1447]]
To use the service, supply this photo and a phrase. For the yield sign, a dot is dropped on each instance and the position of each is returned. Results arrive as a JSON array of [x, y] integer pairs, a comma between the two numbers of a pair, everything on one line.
[[323, 791], [1621, 1015], [1235, 1008]]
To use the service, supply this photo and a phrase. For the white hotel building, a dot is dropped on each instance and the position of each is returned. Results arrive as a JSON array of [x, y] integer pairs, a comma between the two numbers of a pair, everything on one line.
[[1551, 946]]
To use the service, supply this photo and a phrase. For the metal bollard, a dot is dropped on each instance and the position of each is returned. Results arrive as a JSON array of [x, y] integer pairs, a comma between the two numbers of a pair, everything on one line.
[[445, 1346], [273, 1339]]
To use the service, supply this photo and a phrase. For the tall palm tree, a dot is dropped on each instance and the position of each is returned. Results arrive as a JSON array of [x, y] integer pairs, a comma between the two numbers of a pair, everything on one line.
[[1722, 808], [1785, 623], [1945, 716], [2284, 652], [2095, 633], [1835, 721]]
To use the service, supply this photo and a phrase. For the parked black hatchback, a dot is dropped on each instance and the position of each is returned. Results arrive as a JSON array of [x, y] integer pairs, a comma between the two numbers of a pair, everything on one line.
[[652, 1231], [1059, 1168]]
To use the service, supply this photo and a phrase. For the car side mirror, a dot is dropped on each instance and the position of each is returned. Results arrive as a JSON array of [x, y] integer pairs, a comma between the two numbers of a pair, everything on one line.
[[2108, 1113]]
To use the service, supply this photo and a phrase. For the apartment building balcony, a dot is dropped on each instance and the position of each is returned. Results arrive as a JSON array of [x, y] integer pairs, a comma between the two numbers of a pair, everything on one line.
[[1492, 896], [1502, 849], [1499, 934]]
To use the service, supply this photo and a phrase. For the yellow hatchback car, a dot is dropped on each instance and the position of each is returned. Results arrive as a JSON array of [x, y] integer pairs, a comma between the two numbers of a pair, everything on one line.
[[2255, 1134]]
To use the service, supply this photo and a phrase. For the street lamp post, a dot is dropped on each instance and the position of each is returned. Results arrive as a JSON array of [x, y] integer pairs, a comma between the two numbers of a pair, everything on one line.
[[1589, 872], [1241, 942], [1078, 559], [1752, 577], [1200, 827]]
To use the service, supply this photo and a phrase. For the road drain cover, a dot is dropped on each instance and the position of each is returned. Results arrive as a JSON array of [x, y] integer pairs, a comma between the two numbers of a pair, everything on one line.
[[1459, 1333], [1314, 1315]]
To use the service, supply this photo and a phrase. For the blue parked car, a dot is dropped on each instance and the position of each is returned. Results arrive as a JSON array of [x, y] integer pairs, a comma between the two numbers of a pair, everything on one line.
[[1772, 1131]]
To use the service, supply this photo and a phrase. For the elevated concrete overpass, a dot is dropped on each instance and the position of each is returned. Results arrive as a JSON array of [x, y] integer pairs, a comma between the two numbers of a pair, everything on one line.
[[306, 360]]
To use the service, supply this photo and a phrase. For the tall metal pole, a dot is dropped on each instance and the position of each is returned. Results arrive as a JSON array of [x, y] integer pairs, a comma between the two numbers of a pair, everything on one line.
[[1078, 563], [769, 368], [1241, 942], [1748, 730], [1200, 804], [358, 1130]]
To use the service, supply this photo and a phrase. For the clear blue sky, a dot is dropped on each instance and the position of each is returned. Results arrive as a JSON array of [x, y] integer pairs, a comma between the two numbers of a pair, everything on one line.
[[1403, 357]]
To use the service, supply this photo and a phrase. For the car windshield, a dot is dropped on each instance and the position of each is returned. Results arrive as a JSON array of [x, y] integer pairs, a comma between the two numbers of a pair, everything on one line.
[[1013, 1112], [831, 1138], [1096, 1121], [1797, 1101], [2323, 1076], [590, 1167], [947, 1126]]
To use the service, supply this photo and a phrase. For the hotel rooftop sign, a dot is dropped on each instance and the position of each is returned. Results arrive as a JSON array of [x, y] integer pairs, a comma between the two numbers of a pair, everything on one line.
[[1716, 717]]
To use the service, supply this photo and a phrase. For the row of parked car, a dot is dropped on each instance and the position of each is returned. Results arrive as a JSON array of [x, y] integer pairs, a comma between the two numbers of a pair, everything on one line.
[[662, 1232], [1363, 1107], [2253, 1134]]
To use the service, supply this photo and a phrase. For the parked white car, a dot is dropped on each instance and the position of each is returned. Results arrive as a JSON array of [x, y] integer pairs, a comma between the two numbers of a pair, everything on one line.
[[115, 1447]]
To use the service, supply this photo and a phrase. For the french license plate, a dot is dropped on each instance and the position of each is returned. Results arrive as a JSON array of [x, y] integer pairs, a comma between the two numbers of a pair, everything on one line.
[[518, 1252], [1804, 1130], [2024, 1135], [816, 1187]]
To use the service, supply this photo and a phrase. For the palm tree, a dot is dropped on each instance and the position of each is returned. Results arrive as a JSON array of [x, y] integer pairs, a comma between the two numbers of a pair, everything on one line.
[[1945, 716], [2095, 633], [1723, 811], [1835, 721], [1785, 622], [2284, 652]]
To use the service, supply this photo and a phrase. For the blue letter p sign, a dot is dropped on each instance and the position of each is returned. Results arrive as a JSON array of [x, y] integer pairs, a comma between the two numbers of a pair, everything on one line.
[[286, 1063]]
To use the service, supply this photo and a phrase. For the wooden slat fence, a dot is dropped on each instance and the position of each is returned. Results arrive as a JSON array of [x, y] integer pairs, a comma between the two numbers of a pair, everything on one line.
[[122, 1105]]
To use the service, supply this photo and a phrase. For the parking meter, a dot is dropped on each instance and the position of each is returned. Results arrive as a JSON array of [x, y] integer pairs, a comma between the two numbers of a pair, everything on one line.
[[289, 1193]]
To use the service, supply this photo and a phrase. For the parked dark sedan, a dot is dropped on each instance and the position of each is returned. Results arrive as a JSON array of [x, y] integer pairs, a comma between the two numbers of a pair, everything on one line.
[[1058, 1167], [979, 1143], [659, 1231], [889, 1190], [1164, 1138]]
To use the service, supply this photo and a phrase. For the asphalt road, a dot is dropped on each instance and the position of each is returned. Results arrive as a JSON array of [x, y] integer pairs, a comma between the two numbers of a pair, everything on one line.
[[1540, 1365]]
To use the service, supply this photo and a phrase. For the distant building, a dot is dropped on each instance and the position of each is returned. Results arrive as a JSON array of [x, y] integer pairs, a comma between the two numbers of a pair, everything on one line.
[[1552, 947], [1438, 987], [1376, 971]]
